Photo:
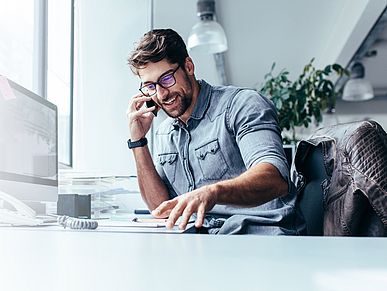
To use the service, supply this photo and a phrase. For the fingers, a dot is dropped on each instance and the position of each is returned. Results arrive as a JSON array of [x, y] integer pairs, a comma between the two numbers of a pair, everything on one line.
[[184, 209], [142, 112], [136, 110], [200, 217], [175, 213], [174, 209], [184, 206], [136, 103], [139, 116], [164, 209], [188, 211]]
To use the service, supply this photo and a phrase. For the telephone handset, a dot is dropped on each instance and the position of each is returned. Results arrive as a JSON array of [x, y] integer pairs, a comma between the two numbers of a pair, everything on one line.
[[22, 215], [151, 103]]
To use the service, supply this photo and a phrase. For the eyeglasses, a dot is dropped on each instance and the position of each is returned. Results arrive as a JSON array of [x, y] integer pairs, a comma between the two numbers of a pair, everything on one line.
[[165, 81]]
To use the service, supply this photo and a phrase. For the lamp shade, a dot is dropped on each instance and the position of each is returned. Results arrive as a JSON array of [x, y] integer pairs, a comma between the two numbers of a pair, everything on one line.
[[207, 36], [358, 90]]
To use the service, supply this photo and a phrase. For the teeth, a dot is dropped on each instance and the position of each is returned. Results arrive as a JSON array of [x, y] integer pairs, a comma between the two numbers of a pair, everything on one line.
[[170, 101]]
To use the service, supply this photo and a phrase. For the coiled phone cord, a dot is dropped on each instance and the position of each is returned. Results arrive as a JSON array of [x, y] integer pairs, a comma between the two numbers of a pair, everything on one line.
[[77, 223]]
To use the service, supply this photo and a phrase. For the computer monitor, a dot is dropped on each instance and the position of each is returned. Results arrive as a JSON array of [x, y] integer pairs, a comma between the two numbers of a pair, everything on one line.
[[28, 147]]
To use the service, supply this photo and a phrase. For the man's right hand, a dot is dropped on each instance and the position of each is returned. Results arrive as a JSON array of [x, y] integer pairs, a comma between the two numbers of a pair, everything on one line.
[[139, 116]]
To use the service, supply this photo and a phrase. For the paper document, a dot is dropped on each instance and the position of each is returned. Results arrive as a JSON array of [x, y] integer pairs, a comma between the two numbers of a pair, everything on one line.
[[144, 222]]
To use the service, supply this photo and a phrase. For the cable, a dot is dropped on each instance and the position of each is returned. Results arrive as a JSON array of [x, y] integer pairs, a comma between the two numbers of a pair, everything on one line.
[[77, 223]]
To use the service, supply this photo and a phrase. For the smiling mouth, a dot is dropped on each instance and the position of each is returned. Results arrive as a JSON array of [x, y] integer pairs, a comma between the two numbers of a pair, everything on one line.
[[170, 101]]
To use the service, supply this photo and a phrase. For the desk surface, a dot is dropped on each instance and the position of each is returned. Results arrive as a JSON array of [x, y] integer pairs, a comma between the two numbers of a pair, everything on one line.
[[76, 260]]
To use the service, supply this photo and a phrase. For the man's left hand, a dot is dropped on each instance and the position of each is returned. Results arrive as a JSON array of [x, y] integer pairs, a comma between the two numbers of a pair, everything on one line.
[[198, 201]]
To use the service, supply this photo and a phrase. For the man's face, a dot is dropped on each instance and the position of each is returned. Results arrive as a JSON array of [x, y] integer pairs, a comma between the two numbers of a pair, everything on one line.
[[174, 100]]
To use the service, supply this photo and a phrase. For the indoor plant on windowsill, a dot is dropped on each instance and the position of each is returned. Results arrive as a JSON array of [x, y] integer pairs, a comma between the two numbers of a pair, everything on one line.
[[301, 102]]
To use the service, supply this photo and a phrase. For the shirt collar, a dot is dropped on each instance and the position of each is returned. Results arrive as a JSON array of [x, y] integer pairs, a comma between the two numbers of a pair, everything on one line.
[[202, 103], [203, 100]]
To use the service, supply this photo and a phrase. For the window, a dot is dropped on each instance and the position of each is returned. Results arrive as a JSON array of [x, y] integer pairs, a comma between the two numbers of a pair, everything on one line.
[[59, 71], [17, 41], [35, 35]]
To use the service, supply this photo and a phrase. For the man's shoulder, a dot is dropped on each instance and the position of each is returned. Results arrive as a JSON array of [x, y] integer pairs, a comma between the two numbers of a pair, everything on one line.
[[226, 96], [231, 90]]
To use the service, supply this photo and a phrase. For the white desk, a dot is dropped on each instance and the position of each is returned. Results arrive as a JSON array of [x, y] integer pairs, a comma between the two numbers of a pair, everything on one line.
[[76, 260]]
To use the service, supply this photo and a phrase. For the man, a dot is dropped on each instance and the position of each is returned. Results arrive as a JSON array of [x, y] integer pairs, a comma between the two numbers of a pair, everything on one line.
[[219, 154]]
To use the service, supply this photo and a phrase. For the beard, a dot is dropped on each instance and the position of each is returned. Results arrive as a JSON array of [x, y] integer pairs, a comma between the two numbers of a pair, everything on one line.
[[183, 100]]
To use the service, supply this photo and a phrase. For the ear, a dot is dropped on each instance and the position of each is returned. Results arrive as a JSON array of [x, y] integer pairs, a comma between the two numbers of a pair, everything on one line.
[[189, 66]]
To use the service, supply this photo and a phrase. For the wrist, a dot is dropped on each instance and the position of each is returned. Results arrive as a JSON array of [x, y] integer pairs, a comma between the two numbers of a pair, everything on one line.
[[137, 143], [214, 190]]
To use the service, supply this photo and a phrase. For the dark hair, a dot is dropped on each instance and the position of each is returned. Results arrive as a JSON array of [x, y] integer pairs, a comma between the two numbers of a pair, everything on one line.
[[156, 45]]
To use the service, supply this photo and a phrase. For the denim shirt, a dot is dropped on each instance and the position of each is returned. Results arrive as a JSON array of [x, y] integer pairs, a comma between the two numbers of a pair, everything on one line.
[[230, 130]]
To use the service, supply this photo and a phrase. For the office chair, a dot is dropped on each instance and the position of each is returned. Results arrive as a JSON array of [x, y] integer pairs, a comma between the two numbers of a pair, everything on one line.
[[312, 177]]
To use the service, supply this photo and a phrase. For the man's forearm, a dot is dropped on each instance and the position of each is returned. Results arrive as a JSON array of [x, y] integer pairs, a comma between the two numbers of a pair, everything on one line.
[[152, 188], [256, 186]]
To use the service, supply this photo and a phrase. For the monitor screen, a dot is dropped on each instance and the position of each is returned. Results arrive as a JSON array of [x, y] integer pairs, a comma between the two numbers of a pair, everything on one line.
[[28, 146]]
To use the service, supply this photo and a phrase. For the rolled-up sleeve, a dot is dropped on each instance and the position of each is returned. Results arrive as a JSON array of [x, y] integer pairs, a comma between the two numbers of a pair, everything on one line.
[[253, 120]]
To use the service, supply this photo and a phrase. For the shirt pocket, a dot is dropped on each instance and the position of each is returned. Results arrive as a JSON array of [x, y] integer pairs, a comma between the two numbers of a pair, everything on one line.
[[168, 162], [211, 160]]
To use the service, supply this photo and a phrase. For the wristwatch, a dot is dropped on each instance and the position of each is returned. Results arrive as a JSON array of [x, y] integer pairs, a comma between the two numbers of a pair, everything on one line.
[[138, 143]]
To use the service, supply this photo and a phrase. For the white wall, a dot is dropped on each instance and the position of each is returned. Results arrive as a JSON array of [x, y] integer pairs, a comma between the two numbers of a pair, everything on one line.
[[259, 33], [289, 33], [107, 31], [181, 16]]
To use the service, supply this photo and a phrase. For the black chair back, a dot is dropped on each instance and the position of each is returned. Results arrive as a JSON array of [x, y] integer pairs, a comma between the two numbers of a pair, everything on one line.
[[310, 198]]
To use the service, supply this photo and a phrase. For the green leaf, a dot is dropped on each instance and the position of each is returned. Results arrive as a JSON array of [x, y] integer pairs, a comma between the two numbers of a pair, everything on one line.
[[285, 96], [300, 102], [272, 66], [278, 104], [337, 68], [328, 70]]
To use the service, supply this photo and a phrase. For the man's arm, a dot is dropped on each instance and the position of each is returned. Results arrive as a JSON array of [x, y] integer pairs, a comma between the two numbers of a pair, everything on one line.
[[252, 119], [152, 188], [258, 185]]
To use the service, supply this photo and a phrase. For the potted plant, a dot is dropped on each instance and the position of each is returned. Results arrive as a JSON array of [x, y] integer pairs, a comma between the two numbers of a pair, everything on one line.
[[302, 101]]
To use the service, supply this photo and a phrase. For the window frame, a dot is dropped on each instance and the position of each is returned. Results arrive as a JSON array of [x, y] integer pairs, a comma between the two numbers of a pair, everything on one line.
[[40, 65]]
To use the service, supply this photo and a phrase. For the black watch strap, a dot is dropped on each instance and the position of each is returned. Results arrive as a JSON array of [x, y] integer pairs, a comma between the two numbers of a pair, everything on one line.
[[138, 143]]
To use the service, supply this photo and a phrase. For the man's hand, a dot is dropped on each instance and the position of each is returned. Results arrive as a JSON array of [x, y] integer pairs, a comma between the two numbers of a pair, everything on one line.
[[139, 116], [198, 201]]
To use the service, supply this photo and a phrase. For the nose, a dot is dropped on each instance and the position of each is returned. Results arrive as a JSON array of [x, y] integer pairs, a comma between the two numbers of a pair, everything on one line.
[[161, 92]]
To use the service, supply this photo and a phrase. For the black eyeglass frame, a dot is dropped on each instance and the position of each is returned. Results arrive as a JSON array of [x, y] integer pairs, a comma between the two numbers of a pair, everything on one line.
[[172, 74]]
